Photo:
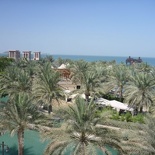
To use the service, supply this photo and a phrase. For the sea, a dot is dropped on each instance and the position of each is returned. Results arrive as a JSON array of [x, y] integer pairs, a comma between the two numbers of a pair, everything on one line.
[[150, 61], [118, 59]]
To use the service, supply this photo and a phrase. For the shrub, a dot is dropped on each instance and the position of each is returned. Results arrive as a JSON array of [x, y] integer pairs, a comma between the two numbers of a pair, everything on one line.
[[128, 117], [123, 117], [138, 118], [115, 116]]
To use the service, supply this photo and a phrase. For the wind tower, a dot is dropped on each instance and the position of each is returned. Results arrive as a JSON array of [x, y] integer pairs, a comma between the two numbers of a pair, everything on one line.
[[27, 55], [15, 54], [37, 55]]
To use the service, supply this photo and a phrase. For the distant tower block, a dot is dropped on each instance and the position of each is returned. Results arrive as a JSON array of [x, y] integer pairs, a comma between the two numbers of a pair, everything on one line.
[[15, 54], [37, 55], [27, 55]]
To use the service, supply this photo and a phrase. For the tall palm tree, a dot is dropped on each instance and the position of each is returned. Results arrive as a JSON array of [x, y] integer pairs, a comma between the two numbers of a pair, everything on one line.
[[87, 76], [46, 87], [15, 80], [80, 133], [19, 114], [139, 91], [78, 70], [7, 80], [90, 84], [4, 62], [117, 79]]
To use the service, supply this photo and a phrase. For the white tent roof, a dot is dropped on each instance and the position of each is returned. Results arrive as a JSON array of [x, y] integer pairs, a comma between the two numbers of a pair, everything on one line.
[[63, 66], [120, 105], [103, 101], [114, 104]]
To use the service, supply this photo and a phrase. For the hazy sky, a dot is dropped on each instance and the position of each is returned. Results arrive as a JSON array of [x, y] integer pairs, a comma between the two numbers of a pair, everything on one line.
[[79, 27]]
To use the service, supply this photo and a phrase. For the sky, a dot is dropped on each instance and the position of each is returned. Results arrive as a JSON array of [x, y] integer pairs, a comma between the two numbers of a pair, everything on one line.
[[79, 27]]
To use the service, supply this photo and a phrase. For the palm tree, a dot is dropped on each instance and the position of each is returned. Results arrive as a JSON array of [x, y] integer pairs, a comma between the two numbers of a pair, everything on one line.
[[117, 79], [142, 67], [139, 90], [90, 84], [78, 70], [149, 133], [80, 133], [139, 138], [87, 76], [46, 87], [15, 80], [50, 58], [7, 80], [19, 114], [4, 62]]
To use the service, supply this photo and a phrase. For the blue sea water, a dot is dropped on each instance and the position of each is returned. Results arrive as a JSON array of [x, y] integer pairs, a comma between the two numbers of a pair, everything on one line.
[[148, 60]]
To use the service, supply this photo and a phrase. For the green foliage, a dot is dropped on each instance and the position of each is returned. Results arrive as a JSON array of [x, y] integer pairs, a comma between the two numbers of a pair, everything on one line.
[[49, 59], [139, 91], [19, 114], [138, 118], [81, 132], [15, 80], [45, 86], [4, 62], [115, 116], [128, 117], [109, 96]]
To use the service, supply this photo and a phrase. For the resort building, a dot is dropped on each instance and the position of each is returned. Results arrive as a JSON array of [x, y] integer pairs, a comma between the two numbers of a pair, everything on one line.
[[27, 55], [15, 54], [64, 72], [37, 55]]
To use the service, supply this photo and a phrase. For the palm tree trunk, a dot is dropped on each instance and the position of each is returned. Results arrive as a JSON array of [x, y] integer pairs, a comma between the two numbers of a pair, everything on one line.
[[50, 108], [141, 109], [87, 94], [121, 94], [20, 142], [141, 105], [83, 149], [87, 97]]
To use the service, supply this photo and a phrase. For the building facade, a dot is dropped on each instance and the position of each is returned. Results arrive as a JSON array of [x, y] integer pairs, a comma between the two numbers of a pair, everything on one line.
[[27, 55], [37, 55], [15, 54]]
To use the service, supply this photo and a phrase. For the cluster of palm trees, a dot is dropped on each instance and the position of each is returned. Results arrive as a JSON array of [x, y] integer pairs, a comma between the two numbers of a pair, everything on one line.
[[133, 84], [29, 83]]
